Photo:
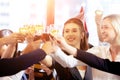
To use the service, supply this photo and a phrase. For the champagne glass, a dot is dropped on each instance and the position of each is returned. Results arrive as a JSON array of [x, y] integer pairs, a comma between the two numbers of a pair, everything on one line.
[[54, 30]]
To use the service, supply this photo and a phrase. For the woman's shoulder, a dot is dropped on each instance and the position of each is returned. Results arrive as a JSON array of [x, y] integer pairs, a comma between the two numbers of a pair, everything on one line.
[[98, 49]]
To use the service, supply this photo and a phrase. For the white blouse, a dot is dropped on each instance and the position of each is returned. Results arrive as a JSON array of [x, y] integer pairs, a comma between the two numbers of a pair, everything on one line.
[[66, 60], [100, 51]]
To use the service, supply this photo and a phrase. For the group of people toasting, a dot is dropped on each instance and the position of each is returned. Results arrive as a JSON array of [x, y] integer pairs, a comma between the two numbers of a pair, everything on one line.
[[70, 55]]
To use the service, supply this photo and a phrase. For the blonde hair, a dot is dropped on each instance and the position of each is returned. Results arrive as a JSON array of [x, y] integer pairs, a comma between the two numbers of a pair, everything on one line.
[[115, 21]]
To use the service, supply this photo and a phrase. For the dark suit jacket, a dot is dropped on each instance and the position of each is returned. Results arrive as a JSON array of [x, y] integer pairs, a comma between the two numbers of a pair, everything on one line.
[[71, 73], [99, 63], [10, 66]]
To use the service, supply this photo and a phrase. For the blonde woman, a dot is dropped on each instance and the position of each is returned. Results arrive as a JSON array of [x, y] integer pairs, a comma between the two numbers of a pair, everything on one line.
[[110, 32]]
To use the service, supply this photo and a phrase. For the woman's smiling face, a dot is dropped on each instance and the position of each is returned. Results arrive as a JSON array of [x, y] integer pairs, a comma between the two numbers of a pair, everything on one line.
[[72, 34], [107, 31]]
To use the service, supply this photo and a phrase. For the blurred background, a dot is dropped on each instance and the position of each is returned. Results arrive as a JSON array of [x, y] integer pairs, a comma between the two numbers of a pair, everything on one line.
[[16, 14]]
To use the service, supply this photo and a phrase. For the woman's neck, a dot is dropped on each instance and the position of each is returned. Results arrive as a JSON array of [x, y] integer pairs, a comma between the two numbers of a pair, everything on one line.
[[114, 50], [81, 67], [77, 46]]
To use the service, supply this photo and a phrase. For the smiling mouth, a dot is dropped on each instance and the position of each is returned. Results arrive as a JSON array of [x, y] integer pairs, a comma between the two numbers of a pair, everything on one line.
[[70, 40], [104, 36]]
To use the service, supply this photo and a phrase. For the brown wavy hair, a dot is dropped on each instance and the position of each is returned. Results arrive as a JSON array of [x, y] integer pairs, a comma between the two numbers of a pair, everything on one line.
[[84, 42]]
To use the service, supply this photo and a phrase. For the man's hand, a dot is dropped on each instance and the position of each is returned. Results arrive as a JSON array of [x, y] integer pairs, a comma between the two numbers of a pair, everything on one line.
[[12, 39], [49, 47], [32, 46]]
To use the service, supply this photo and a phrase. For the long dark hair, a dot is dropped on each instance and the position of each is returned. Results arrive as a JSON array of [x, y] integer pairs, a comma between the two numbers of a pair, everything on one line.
[[84, 42]]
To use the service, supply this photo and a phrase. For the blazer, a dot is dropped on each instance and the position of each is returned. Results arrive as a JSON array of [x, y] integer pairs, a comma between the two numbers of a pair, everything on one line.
[[99, 63], [75, 73], [71, 73], [10, 66]]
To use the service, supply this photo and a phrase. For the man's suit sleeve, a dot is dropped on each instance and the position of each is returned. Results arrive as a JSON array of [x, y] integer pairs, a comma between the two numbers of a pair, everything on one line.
[[99, 63], [11, 66]]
